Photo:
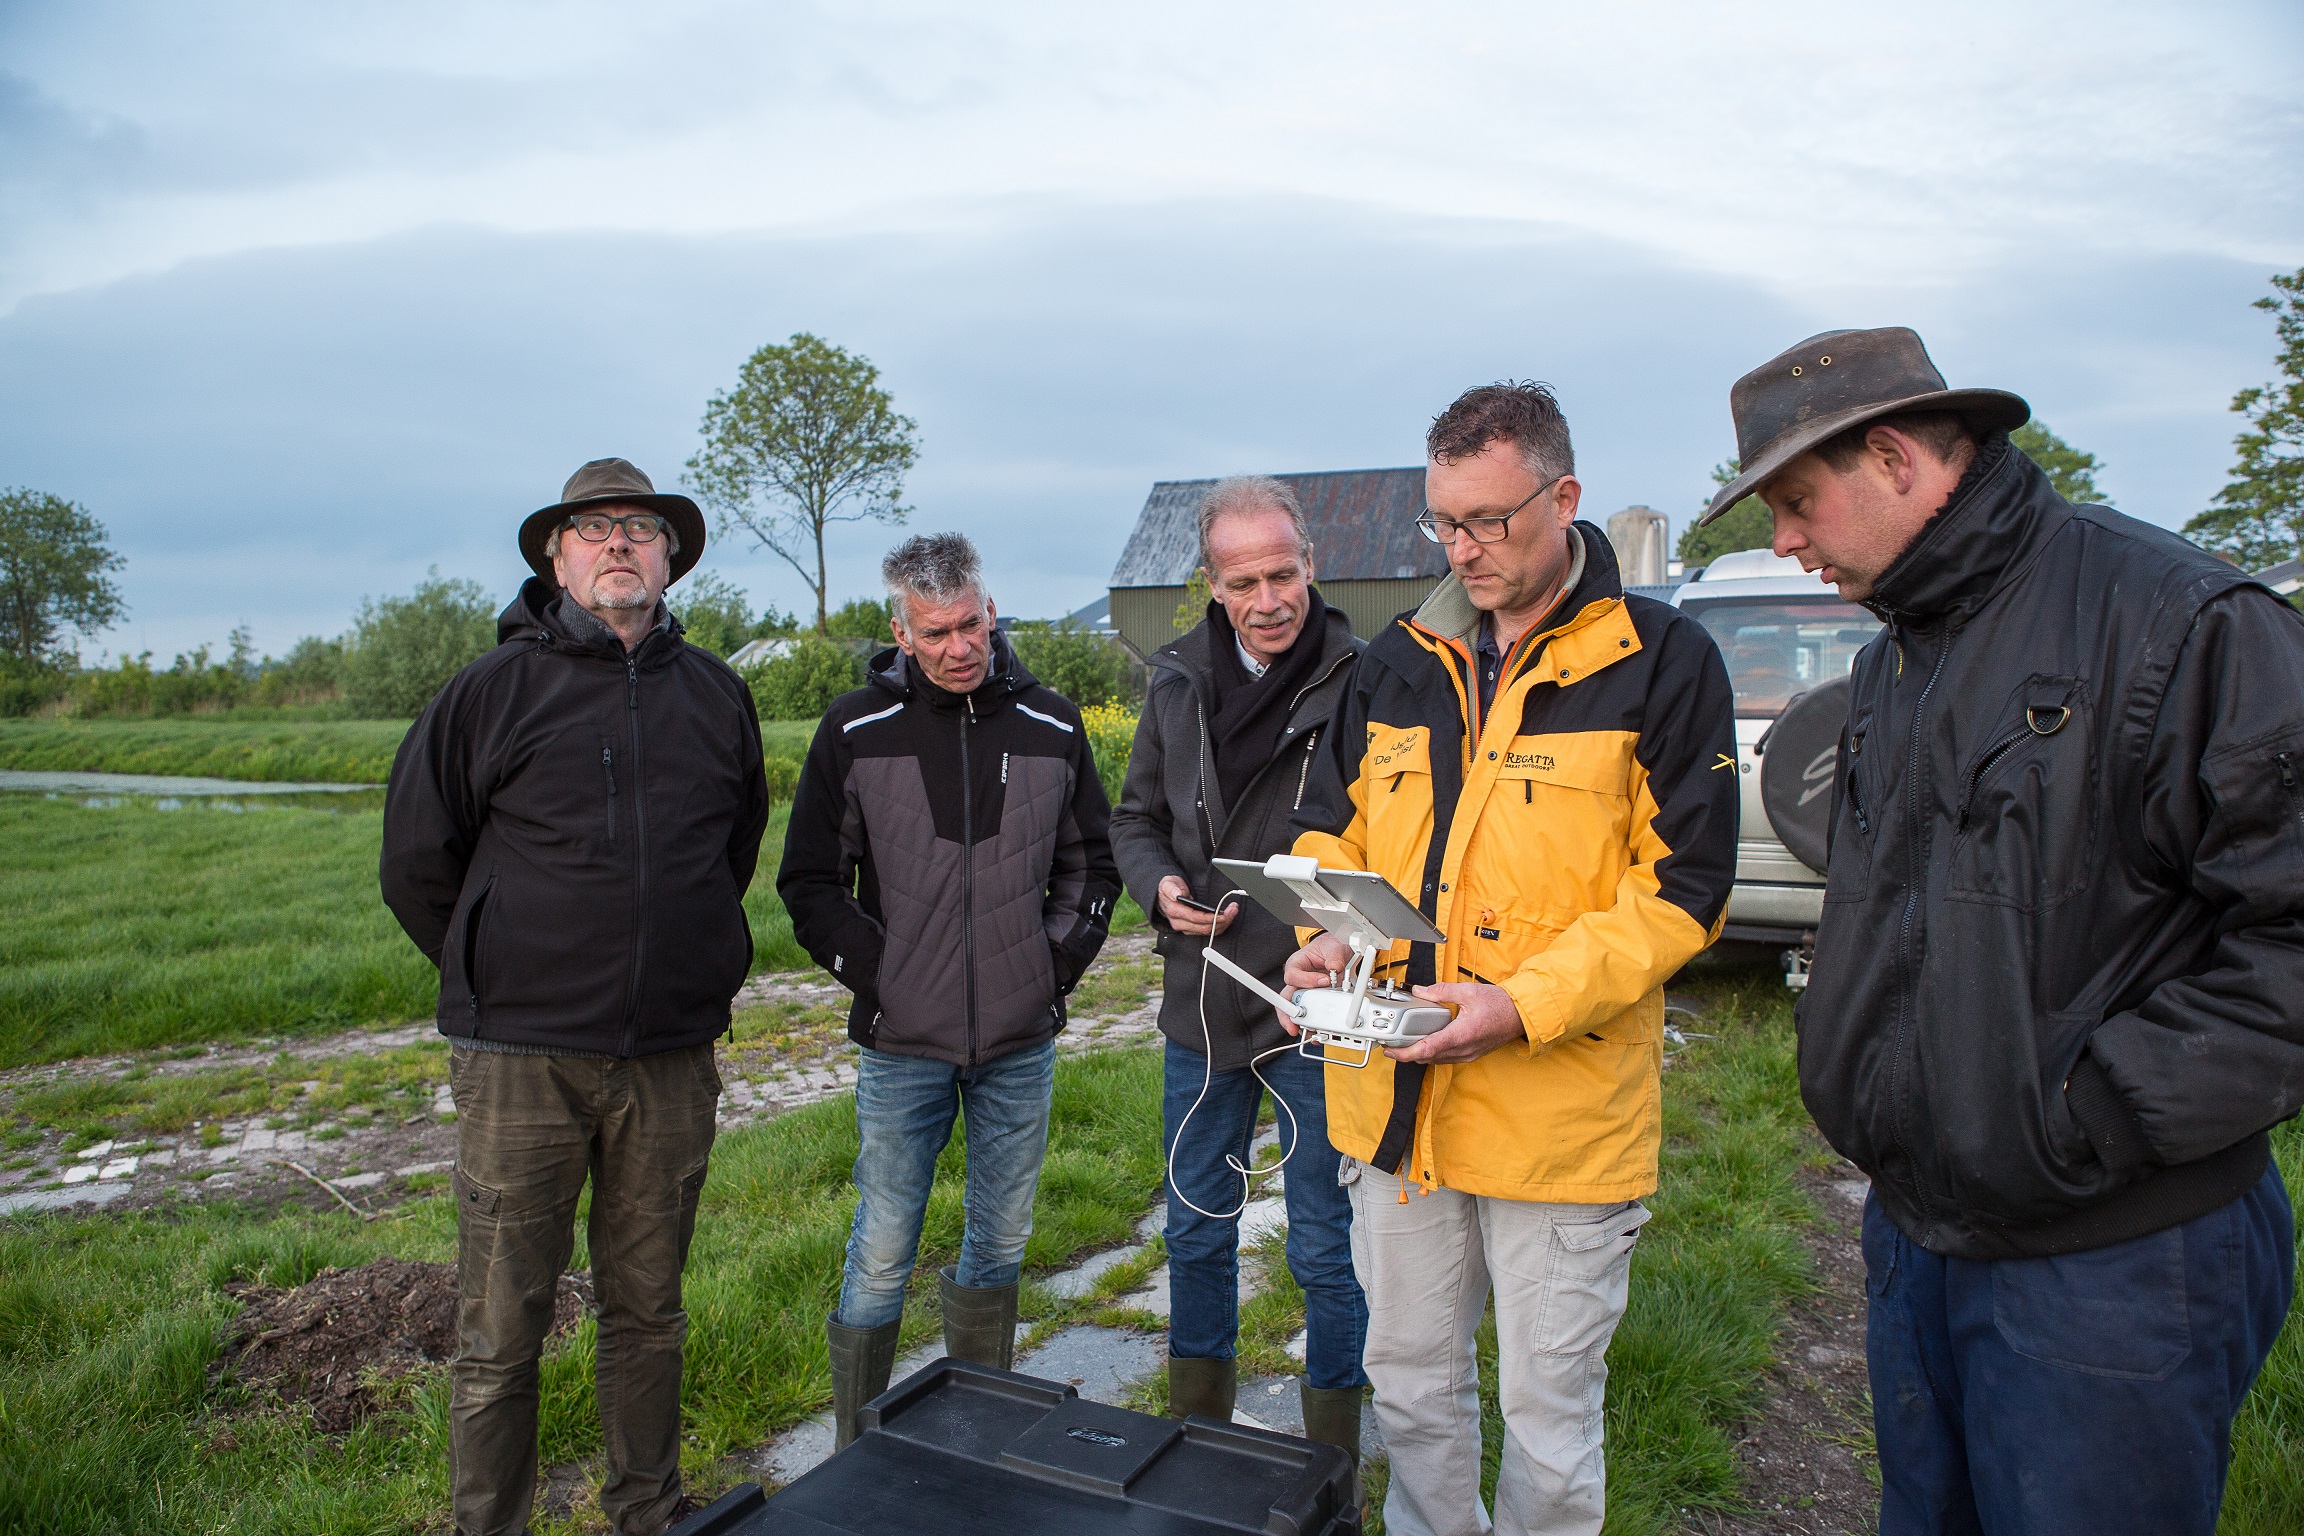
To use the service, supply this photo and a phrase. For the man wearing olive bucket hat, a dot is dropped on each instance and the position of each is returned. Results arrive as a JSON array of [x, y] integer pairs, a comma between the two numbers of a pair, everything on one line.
[[568, 835], [2054, 1008]]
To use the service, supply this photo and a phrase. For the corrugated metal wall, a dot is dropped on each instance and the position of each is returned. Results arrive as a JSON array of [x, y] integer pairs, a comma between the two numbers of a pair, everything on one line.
[[1146, 616]]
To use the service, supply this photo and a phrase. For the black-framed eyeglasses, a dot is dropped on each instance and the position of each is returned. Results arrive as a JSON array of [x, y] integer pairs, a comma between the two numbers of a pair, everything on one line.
[[1493, 529], [594, 527]]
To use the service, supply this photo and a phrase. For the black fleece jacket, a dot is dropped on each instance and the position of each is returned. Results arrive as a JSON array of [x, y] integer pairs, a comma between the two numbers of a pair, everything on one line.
[[2055, 1002], [569, 833]]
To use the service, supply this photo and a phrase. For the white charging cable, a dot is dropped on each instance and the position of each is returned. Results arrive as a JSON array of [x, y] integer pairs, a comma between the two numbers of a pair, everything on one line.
[[1248, 1175]]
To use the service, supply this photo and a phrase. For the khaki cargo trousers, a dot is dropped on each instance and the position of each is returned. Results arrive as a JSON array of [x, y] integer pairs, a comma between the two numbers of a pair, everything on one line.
[[1559, 1273], [529, 1131]]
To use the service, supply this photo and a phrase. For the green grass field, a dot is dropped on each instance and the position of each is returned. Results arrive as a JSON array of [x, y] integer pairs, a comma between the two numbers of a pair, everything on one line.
[[130, 927], [266, 746]]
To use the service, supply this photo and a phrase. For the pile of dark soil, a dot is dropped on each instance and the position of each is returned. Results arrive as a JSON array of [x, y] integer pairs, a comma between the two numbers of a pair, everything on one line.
[[333, 1340]]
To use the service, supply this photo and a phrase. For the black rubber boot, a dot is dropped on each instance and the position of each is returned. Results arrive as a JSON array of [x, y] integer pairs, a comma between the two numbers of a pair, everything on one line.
[[979, 1321], [1204, 1387], [861, 1361], [1332, 1417]]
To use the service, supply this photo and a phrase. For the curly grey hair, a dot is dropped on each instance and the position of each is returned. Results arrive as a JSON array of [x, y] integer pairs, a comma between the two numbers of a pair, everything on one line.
[[1235, 495], [935, 567]]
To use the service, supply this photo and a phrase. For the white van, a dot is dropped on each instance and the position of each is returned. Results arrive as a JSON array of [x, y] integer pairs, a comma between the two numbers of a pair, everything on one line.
[[1789, 641]]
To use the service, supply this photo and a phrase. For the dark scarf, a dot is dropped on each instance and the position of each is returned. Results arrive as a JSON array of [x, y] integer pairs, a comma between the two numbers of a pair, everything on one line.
[[1247, 714]]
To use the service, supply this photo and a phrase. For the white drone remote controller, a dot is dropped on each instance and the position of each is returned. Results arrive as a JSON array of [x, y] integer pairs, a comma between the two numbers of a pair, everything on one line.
[[1369, 915]]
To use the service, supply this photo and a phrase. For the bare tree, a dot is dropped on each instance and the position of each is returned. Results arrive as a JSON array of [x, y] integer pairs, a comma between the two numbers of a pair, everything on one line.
[[807, 438]]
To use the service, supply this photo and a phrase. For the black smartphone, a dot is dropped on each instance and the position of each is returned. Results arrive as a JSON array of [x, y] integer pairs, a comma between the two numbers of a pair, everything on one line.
[[1197, 906]]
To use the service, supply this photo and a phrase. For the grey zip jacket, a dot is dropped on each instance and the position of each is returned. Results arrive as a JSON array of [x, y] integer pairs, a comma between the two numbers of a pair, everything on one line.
[[949, 859], [1173, 820]]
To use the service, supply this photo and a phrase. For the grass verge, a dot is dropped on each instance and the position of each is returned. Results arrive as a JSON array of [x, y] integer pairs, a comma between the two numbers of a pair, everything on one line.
[[108, 1328], [258, 745]]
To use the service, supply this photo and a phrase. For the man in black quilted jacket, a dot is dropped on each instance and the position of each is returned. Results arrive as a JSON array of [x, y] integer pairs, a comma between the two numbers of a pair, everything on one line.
[[568, 835], [2058, 995], [949, 861]]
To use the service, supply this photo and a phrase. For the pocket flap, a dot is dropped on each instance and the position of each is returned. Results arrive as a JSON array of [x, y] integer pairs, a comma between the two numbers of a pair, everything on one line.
[[1598, 761], [1583, 1236]]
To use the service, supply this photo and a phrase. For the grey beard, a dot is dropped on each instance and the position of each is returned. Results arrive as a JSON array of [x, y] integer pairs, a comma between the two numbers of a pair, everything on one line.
[[620, 597]]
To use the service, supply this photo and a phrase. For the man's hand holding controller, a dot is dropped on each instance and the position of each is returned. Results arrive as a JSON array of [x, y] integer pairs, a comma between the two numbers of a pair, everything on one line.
[[1486, 1016]]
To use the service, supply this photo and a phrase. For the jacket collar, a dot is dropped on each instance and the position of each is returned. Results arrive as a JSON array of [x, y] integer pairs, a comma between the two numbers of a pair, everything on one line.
[[1193, 656], [893, 672], [1992, 526], [1449, 613], [543, 614]]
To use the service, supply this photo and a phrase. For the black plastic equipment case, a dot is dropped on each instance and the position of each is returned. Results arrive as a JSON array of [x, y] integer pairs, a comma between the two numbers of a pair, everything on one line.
[[965, 1450]]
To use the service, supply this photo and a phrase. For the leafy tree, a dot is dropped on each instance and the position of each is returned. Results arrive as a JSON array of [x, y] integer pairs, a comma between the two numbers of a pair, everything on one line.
[[403, 650], [715, 613], [311, 673], [1080, 664], [860, 618], [1197, 595], [54, 566], [2072, 472], [2258, 519], [806, 439], [802, 684], [1746, 525]]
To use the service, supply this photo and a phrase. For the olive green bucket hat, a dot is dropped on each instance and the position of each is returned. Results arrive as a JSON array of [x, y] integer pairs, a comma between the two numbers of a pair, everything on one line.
[[1835, 381], [614, 482]]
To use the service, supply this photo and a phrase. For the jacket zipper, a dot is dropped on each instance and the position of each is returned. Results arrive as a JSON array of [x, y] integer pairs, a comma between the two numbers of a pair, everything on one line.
[[1997, 751], [1904, 927], [640, 855], [2288, 782], [1304, 774], [608, 767], [968, 872], [1855, 783]]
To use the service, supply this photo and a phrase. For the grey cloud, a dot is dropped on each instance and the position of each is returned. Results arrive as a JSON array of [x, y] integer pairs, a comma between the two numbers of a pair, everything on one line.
[[273, 435]]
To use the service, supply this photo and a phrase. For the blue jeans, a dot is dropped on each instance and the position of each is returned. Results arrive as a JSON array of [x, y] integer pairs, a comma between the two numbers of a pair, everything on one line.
[[1204, 1254], [2088, 1393], [904, 1111]]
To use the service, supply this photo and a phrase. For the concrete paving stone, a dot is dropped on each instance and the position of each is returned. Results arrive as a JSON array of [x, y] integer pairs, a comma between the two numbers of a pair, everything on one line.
[[91, 1154], [118, 1168], [83, 1174], [1262, 1216], [1277, 1402], [1077, 1282], [259, 1141], [222, 1154], [161, 1158], [292, 1141], [414, 1169], [1100, 1362], [358, 1181], [1298, 1344], [1153, 1296], [56, 1199]]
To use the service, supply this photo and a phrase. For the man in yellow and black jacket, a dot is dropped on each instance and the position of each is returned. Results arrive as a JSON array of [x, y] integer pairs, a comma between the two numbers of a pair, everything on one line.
[[1547, 767]]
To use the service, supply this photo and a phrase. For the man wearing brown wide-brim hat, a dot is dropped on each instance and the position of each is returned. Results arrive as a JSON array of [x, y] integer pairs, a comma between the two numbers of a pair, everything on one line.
[[2053, 1008], [568, 835]]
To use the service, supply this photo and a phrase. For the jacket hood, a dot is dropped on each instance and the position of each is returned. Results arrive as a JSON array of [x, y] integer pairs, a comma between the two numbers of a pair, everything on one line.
[[1592, 576], [891, 671], [1999, 516], [538, 614], [1193, 656]]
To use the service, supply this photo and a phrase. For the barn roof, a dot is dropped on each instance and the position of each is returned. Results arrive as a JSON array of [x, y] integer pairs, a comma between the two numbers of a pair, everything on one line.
[[1362, 523]]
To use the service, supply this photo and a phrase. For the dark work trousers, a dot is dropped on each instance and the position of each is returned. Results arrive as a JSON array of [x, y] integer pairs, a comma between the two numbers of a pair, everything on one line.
[[529, 1131], [2092, 1393]]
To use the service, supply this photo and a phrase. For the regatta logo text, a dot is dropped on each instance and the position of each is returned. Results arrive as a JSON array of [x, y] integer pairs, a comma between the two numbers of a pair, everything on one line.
[[1540, 761]]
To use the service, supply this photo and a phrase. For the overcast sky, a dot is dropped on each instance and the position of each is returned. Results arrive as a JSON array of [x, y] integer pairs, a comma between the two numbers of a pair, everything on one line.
[[304, 300]]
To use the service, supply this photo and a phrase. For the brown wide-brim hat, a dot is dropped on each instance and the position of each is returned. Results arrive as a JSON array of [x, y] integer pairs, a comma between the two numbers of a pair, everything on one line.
[[617, 482], [1835, 381]]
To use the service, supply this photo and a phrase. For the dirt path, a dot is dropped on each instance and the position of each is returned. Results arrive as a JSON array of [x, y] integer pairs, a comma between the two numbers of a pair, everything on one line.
[[1807, 1454], [363, 1117]]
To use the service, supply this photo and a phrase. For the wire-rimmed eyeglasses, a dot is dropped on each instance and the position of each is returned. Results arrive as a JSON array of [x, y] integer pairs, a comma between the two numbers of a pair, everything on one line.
[[594, 527], [1492, 529]]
